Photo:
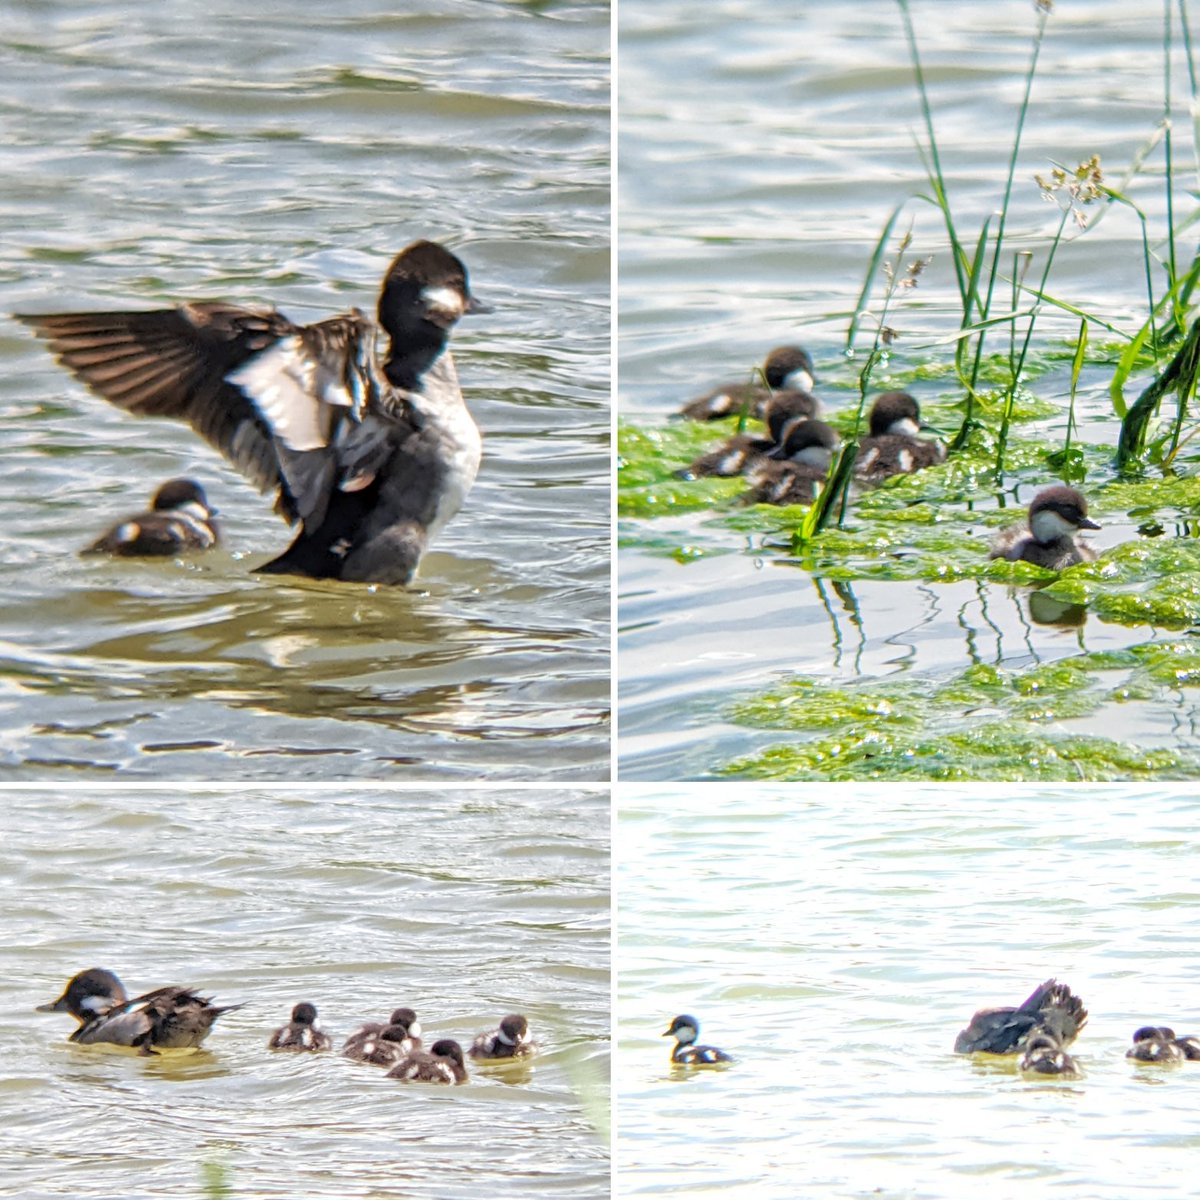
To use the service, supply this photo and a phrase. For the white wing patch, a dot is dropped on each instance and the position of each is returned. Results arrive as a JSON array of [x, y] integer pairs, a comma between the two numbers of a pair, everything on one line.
[[289, 389]]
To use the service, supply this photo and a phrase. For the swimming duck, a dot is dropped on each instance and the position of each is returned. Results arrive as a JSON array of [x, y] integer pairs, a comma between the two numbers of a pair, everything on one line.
[[384, 1044], [371, 460], [443, 1063], [743, 451], [793, 472], [685, 1030], [1052, 1009], [170, 1018], [511, 1040], [180, 518], [1055, 516], [787, 368], [893, 447], [1156, 1044], [1044, 1055], [301, 1033]]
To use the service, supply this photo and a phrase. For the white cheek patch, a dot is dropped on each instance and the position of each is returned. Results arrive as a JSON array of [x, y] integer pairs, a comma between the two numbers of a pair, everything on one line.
[[904, 427], [414, 1030], [128, 532], [95, 1004], [798, 380], [445, 299], [814, 456], [1048, 526]]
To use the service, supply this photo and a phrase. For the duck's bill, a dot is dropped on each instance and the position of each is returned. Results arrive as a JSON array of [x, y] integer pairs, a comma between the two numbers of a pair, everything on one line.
[[478, 306], [59, 1005]]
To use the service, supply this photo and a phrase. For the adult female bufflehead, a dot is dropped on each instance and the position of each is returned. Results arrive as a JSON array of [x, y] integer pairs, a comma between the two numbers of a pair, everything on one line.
[[685, 1030], [787, 368], [443, 1063], [180, 518], [511, 1040], [301, 1033], [385, 1044], [743, 451], [170, 1018], [1052, 1009], [371, 459], [1055, 516], [893, 446]]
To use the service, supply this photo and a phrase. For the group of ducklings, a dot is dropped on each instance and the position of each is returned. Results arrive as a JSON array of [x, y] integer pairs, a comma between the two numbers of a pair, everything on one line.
[[179, 1018], [791, 463], [1039, 1029]]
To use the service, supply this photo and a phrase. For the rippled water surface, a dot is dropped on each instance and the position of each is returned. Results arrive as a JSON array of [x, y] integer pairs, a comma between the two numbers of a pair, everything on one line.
[[464, 906], [756, 175], [835, 940], [284, 153]]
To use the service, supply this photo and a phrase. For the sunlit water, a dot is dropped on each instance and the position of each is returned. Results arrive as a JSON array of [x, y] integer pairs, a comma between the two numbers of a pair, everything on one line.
[[835, 940], [756, 176], [463, 905], [284, 154]]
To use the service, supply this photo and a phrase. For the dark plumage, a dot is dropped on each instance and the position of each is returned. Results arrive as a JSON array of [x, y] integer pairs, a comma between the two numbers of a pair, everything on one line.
[[685, 1030], [1044, 1055], [170, 1018], [385, 1044], [893, 447], [795, 469], [301, 1034], [1052, 1009], [371, 459], [1055, 516], [744, 451], [443, 1063], [511, 1040], [1157, 1044], [180, 518], [786, 368]]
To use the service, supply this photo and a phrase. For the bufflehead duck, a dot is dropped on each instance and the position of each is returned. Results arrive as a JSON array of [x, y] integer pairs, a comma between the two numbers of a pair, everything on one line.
[[893, 447], [1052, 1009], [301, 1033], [1156, 1044], [384, 1044], [685, 1030], [511, 1040], [793, 472], [170, 1018], [442, 1064], [1044, 1055], [371, 460], [787, 368], [180, 518], [742, 452], [1055, 516]]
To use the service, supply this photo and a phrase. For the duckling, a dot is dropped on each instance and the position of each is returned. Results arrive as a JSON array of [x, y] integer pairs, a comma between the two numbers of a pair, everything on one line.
[[442, 1064], [1155, 1044], [740, 453], [170, 1018], [511, 1040], [384, 1044], [793, 472], [301, 1033], [1045, 1056], [1055, 516], [786, 368], [1052, 1009], [893, 447], [685, 1030], [180, 518], [1190, 1045]]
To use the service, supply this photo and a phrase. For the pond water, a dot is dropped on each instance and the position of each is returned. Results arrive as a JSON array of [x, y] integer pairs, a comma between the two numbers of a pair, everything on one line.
[[284, 155], [756, 177], [836, 940], [464, 905]]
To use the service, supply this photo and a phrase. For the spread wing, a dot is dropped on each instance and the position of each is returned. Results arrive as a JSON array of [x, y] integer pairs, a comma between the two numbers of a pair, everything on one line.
[[175, 363]]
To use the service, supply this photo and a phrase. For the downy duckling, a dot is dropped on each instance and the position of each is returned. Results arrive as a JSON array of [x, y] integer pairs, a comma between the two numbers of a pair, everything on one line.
[[893, 447], [1045, 1056], [744, 451], [797, 468], [443, 1063], [1055, 516], [302, 1033], [511, 1040], [1155, 1044], [180, 518], [685, 1030], [787, 368]]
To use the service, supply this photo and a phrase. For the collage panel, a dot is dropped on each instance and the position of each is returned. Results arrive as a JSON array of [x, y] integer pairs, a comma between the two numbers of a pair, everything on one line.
[[906, 464], [236, 252], [915, 992], [223, 912]]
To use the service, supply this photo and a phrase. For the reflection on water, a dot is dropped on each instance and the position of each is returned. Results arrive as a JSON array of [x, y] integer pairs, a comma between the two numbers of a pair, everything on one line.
[[836, 940], [257, 159], [462, 905]]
